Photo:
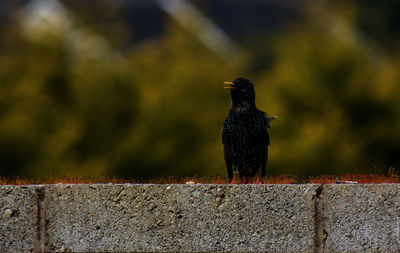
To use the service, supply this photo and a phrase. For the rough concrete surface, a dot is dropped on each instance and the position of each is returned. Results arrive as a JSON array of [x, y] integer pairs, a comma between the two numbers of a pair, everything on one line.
[[200, 218], [177, 218], [19, 218], [359, 218]]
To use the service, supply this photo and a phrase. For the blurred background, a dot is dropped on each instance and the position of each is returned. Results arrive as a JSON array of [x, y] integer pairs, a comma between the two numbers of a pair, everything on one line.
[[134, 88]]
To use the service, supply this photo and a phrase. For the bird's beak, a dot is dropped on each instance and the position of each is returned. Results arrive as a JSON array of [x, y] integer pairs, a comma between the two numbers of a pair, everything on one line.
[[228, 87]]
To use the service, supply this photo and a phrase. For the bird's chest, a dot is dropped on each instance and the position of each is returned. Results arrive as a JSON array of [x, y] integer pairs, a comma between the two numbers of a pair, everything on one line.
[[242, 127]]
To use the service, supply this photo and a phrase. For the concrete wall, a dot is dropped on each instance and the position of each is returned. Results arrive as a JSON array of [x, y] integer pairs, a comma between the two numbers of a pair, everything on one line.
[[199, 218]]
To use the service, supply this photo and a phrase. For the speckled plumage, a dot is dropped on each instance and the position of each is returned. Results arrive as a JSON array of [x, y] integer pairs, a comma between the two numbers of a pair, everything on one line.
[[244, 135]]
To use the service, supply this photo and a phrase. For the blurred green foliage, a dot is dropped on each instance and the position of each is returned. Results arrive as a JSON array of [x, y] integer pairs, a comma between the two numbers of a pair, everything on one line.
[[157, 108]]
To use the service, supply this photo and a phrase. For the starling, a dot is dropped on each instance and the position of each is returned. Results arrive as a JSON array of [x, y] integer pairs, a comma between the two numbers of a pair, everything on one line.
[[244, 136]]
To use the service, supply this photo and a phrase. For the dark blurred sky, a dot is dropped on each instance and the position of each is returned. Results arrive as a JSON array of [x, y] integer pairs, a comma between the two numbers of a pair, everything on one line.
[[238, 18]]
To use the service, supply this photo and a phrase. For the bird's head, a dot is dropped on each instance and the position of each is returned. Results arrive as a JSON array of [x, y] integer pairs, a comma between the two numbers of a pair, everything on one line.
[[242, 91]]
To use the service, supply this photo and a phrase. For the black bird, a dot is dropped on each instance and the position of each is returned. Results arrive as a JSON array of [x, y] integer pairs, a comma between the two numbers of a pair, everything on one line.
[[244, 136]]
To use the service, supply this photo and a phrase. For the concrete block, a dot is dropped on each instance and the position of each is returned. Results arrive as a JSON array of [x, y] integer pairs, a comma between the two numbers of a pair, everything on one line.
[[19, 218], [180, 218], [359, 218]]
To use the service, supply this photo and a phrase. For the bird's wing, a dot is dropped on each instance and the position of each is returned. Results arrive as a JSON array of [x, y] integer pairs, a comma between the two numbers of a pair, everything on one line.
[[225, 133], [265, 129], [228, 164], [227, 158], [266, 136]]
